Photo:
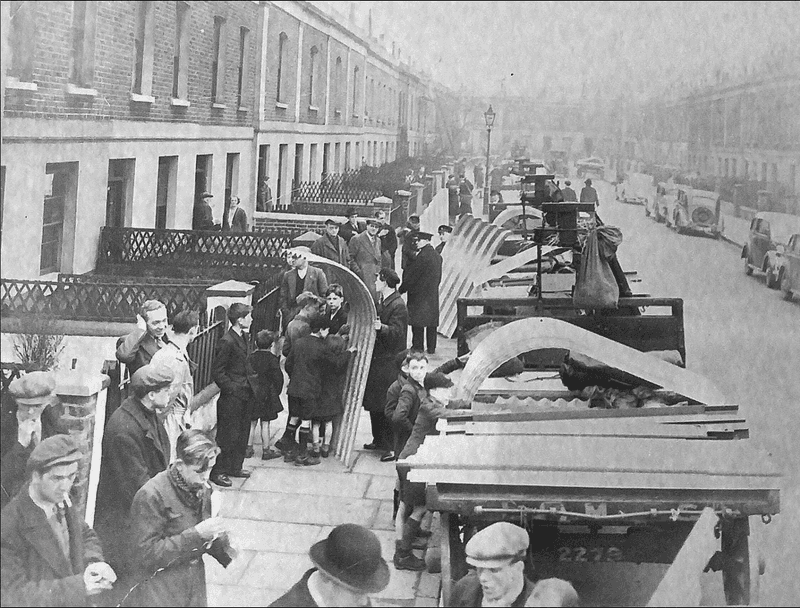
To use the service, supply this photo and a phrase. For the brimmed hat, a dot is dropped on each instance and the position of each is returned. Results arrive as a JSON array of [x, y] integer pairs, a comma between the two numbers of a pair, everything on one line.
[[53, 451], [34, 388], [351, 555], [374, 222], [351, 212], [206, 195], [332, 222], [421, 236], [588, 182], [497, 545]]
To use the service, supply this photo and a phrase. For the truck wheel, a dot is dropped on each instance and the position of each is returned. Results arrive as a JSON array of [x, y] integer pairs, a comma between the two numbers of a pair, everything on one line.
[[772, 280]]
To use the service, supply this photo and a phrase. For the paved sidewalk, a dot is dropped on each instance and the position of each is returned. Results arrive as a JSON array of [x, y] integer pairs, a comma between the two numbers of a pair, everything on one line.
[[279, 512]]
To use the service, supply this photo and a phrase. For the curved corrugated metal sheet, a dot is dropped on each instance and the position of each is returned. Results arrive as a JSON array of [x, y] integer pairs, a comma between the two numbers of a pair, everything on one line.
[[470, 250], [510, 213], [536, 333], [362, 337], [435, 214]]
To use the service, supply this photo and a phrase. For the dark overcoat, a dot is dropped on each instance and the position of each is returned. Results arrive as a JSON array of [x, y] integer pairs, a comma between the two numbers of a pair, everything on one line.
[[367, 259], [239, 223], [347, 231], [35, 571], [137, 349], [339, 253], [164, 536], [334, 377], [135, 449], [316, 282], [389, 341], [268, 386], [421, 280]]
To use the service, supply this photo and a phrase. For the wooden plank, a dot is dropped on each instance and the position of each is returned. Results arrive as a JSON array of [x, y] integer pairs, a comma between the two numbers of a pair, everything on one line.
[[600, 428], [681, 584], [540, 332]]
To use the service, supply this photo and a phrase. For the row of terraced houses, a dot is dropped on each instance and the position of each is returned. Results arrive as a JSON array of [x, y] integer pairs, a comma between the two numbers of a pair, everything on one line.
[[123, 113]]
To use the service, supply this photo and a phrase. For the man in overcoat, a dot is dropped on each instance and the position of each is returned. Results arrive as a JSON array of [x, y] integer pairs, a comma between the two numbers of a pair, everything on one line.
[[409, 249], [366, 254], [301, 277], [332, 246], [30, 420], [421, 281], [135, 448], [235, 376], [352, 226], [48, 555], [391, 329], [387, 235], [138, 347]]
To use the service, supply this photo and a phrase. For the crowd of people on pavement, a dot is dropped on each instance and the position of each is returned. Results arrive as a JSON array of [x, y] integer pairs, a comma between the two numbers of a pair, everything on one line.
[[166, 444]]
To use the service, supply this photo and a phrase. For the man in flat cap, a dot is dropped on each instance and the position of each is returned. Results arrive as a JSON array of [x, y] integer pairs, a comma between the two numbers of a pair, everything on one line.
[[421, 280], [299, 278], [332, 246], [444, 235], [48, 555], [135, 448], [352, 226], [25, 424], [366, 254], [138, 347], [569, 194], [498, 554], [348, 567]]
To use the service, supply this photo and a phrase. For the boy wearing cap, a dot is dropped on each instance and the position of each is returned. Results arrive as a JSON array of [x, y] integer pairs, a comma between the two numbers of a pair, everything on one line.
[[348, 567], [236, 378], [49, 556], [25, 426], [135, 449], [444, 235], [498, 554], [421, 280], [301, 277]]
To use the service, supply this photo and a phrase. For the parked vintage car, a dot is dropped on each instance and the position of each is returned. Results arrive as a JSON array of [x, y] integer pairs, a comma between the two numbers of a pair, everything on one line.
[[590, 167], [699, 212], [664, 202], [789, 269], [768, 229]]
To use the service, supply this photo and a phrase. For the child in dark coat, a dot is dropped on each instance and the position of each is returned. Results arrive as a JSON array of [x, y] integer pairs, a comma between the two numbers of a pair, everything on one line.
[[331, 404], [268, 387]]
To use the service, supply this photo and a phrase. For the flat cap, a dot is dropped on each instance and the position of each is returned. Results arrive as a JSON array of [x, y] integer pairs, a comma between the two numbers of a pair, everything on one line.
[[497, 545], [34, 388], [374, 222], [332, 221], [445, 228], [421, 236], [55, 450], [151, 378]]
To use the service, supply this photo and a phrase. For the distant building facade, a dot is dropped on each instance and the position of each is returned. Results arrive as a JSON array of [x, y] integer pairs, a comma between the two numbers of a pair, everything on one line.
[[124, 113]]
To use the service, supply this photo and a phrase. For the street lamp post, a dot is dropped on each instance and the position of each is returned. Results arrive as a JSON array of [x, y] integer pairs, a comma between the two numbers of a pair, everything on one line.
[[489, 117]]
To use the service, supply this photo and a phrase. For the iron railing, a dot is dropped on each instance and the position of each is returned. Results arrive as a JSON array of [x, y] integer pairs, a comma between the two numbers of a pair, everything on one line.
[[201, 350], [334, 189], [96, 299], [191, 248]]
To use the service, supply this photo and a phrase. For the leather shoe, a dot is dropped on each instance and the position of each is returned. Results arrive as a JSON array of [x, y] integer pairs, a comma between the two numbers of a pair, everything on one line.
[[388, 456], [370, 446], [221, 480], [244, 473]]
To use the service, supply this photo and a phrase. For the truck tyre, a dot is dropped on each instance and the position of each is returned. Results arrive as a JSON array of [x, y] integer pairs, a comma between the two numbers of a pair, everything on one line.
[[772, 280]]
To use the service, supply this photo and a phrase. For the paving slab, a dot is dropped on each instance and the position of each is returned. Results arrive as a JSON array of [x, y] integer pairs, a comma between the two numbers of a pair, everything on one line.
[[401, 585], [380, 487], [334, 481], [429, 585], [251, 535], [231, 575], [369, 463], [301, 509], [237, 595], [276, 570], [383, 519]]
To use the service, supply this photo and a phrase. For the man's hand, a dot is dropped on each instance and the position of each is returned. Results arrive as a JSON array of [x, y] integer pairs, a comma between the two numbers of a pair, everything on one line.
[[210, 528], [25, 429], [377, 324], [98, 577], [141, 323]]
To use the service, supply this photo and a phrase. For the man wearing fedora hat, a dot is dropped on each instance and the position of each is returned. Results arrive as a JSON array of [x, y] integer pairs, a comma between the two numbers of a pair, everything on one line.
[[25, 426], [498, 554], [367, 255], [348, 568], [589, 194], [421, 280], [50, 557]]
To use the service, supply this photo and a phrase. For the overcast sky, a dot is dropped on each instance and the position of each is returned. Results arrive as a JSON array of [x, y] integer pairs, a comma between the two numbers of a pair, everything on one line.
[[639, 48]]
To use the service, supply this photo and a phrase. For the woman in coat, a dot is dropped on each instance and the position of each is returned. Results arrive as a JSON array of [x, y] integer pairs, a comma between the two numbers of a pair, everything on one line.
[[173, 526], [390, 339]]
